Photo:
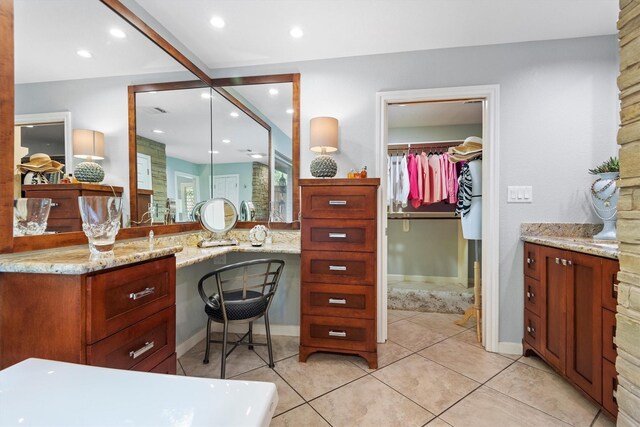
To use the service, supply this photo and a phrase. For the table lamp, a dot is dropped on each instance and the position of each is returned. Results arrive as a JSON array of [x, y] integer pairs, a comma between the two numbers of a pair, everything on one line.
[[89, 145], [324, 139]]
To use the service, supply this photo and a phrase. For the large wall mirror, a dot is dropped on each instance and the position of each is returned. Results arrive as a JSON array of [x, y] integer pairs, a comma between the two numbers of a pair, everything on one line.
[[237, 141]]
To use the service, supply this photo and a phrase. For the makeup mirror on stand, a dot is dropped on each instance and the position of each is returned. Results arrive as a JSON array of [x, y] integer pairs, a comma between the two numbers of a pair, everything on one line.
[[219, 216]]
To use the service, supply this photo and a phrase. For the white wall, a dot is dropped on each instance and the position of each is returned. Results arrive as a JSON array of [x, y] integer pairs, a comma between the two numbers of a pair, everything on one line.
[[559, 117]]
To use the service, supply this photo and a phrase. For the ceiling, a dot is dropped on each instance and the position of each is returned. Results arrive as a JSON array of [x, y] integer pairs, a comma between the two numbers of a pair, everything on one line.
[[434, 114], [257, 31], [273, 107]]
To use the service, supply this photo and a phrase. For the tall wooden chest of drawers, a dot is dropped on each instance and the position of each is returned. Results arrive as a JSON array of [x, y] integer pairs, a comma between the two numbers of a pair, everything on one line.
[[339, 267], [123, 318]]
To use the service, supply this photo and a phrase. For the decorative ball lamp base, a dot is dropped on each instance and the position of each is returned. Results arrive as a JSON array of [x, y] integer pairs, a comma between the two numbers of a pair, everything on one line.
[[89, 172], [323, 166]]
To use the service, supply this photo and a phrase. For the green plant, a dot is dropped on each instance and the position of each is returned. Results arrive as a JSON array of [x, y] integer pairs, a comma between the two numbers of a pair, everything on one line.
[[611, 165]]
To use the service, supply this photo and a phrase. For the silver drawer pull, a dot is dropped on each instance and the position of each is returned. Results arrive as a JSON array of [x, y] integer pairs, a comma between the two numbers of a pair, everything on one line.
[[557, 260], [54, 204], [530, 329], [142, 294], [530, 295], [337, 202], [530, 261], [564, 262], [342, 334], [337, 268], [337, 300], [338, 235], [147, 346], [615, 288]]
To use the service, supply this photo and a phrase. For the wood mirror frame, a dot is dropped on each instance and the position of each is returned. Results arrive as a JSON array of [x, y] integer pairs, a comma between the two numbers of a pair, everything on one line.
[[7, 116]]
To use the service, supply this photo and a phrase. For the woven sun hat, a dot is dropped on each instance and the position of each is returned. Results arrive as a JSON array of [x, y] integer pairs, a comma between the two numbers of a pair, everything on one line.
[[471, 145], [40, 162]]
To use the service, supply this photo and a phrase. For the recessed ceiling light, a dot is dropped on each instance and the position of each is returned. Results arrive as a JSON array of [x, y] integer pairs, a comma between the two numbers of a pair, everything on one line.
[[213, 152], [256, 156], [296, 32], [234, 114], [117, 33], [29, 126], [217, 22], [84, 53], [158, 131], [205, 95], [402, 105], [152, 92], [226, 141], [273, 91], [289, 110]]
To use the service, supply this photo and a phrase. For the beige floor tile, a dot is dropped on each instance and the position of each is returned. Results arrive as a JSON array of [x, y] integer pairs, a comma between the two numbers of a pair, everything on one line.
[[603, 421], [437, 422], [301, 416], [287, 397], [438, 322], [241, 360], [486, 407], [536, 362], [388, 353], [368, 402], [511, 356], [466, 359], [179, 370], [393, 317], [430, 385], [321, 373], [413, 336], [546, 392], [283, 347], [404, 314], [468, 337]]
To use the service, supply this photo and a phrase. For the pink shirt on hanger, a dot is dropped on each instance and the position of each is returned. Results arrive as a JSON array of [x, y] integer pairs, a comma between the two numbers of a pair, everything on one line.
[[420, 178], [435, 185], [413, 178], [452, 180], [426, 179]]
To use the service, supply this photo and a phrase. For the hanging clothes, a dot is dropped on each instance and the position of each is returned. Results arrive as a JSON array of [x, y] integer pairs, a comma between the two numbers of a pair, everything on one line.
[[417, 202], [434, 177], [451, 179], [464, 192], [405, 186], [426, 179], [413, 178]]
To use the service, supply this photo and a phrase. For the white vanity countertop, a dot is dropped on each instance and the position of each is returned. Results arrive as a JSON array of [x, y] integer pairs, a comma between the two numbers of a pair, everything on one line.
[[192, 255], [78, 259], [39, 392]]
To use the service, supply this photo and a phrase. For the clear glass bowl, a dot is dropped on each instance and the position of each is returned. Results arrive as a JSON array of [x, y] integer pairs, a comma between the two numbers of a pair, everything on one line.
[[30, 216], [100, 221]]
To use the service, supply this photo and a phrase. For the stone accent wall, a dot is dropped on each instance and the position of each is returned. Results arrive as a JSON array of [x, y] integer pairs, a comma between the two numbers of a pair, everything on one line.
[[260, 191], [158, 173], [628, 317]]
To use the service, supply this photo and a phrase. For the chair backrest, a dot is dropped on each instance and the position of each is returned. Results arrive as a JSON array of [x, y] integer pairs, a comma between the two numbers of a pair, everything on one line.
[[261, 276]]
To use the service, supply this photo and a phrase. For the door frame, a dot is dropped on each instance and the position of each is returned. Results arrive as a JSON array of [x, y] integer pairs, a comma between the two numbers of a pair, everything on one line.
[[196, 180], [147, 158], [490, 200]]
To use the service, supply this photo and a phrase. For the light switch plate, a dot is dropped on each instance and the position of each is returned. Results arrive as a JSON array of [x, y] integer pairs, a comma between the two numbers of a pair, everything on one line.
[[519, 194]]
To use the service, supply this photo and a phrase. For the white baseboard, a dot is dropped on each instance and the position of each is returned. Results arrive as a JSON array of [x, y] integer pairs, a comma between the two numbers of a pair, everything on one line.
[[510, 347], [286, 330]]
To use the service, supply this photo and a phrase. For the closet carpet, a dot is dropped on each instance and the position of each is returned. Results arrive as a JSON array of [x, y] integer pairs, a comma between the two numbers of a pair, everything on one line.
[[431, 372], [430, 297]]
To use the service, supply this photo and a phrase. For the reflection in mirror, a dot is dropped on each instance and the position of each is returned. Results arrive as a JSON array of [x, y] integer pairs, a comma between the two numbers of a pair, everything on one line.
[[218, 215], [271, 189], [173, 154]]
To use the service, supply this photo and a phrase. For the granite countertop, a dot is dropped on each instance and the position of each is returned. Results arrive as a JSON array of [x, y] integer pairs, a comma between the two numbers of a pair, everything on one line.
[[573, 237], [192, 255], [78, 259]]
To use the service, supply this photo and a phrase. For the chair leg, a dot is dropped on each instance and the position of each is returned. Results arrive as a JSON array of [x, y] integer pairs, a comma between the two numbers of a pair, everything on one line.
[[224, 351], [250, 335], [266, 326], [208, 342]]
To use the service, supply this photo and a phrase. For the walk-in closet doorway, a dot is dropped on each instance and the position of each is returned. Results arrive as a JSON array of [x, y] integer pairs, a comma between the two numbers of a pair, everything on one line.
[[487, 97]]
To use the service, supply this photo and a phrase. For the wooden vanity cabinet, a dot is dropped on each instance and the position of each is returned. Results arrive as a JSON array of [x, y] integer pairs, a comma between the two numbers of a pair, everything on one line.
[[338, 267], [566, 320], [117, 318]]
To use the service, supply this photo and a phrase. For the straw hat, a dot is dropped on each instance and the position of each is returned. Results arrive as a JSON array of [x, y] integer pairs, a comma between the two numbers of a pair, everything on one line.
[[471, 145], [40, 162]]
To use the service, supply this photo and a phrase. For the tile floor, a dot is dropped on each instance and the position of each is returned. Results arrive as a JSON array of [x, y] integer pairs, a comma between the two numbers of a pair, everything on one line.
[[431, 373]]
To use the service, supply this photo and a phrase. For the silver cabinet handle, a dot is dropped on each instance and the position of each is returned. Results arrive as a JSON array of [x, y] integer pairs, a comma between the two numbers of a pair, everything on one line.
[[337, 268], [337, 202], [147, 346], [564, 262], [142, 294], [342, 334], [338, 235], [54, 204], [569, 262], [530, 329], [530, 295], [530, 261], [615, 288], [337, 300], [557, 260]]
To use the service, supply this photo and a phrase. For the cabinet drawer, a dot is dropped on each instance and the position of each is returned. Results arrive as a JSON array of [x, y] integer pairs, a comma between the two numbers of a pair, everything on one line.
[[609, 387], [64, 203], [350, 268], [122, 297], [532, 300], [531, 261], [64, 225], [339, 300], [610, 284], [358, 202], [532, 332], [139, 347], [338, 333], [167, 366], [339, 235], [608, 333]]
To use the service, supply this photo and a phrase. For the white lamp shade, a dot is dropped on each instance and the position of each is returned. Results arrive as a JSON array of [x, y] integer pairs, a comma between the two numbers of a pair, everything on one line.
[[88, 144], [324, 135]]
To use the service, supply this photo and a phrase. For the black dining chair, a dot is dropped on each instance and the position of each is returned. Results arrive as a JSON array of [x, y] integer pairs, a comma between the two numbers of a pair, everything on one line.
[[242, 294]]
